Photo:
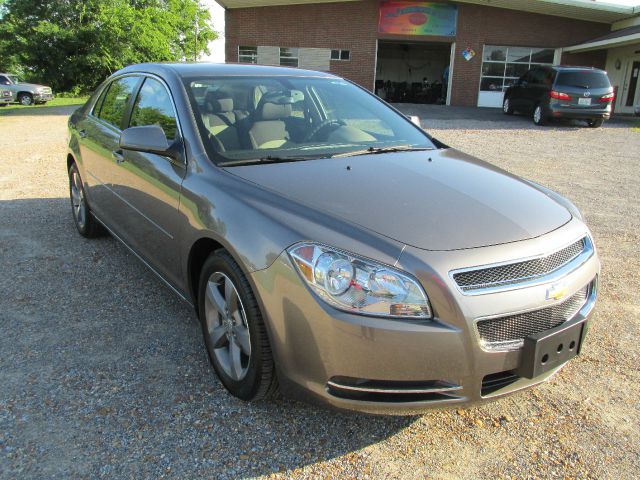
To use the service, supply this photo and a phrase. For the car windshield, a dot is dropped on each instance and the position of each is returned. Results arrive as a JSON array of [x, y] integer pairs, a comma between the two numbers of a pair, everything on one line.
[[285, 118], [14, 78], [583, 79]]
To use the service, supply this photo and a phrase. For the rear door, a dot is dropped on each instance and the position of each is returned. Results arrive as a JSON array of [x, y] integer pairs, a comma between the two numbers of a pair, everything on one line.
[[149, 184], [585, 87], [517, 95], [99, 134]]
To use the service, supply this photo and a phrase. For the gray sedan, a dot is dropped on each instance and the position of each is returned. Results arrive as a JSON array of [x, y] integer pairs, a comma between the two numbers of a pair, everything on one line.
[[330, 247]]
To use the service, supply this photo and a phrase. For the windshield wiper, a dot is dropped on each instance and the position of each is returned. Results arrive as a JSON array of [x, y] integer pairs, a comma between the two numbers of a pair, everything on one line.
[[267, 159], [379, 150]]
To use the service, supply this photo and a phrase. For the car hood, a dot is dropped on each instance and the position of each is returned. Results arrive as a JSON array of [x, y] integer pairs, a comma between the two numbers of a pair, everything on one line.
[[435, 200], [29, 85]]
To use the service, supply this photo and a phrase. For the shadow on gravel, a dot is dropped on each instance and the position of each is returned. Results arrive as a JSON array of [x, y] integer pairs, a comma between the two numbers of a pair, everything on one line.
[[442, 117], [104, 372]]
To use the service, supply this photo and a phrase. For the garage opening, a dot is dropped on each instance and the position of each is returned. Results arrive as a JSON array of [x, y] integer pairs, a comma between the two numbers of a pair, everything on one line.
[[413, 72]]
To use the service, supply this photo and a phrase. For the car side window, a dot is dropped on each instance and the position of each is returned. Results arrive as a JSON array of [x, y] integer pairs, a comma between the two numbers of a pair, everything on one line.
[[537, 76], [154, 107], [116, 100], [4, 80]]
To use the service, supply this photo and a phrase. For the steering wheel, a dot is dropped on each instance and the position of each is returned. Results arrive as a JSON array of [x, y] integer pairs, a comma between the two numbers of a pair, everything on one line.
[[325, 124]]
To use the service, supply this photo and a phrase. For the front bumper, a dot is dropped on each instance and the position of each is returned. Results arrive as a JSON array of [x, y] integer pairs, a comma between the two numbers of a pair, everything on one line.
[[356, 362], [43, 97]]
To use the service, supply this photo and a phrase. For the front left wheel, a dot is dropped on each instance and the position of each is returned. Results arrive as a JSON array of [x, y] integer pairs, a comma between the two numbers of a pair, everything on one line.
[[234, 331], [25, 99], [507, 109]]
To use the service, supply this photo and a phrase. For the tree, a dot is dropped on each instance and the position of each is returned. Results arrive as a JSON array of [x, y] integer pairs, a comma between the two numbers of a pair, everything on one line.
[[77, 44]]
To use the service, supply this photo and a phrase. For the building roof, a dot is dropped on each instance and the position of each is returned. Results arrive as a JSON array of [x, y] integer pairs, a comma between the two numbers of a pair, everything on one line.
[[616, 38], [579, 9]]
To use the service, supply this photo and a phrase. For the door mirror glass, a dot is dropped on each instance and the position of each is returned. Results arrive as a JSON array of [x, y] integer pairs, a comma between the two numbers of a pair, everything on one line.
[[149, 139]]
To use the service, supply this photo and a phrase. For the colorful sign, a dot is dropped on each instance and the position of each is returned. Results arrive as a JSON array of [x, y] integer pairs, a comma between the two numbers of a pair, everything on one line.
[[418, 18], [468, 53]]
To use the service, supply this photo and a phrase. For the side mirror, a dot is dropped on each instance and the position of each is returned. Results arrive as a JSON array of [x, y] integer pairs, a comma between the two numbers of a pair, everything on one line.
[[149, 139]]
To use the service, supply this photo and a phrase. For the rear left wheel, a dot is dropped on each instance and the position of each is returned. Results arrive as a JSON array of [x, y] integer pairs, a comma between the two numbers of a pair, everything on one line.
[[85, 223], [596, 123], [234, 332], [538, 116]]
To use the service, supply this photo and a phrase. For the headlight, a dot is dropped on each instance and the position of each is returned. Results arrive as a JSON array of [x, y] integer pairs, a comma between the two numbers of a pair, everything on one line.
[[357, 285]]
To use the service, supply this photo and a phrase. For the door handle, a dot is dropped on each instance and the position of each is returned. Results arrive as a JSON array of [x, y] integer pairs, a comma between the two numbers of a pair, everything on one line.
[[82, 133], [118, 155]]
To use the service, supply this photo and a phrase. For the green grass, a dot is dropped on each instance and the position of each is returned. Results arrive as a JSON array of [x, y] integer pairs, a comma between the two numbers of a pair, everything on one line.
[[56, 102]]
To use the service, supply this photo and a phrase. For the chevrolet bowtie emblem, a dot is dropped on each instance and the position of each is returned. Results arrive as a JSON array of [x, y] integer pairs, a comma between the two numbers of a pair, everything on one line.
[[556, 292]]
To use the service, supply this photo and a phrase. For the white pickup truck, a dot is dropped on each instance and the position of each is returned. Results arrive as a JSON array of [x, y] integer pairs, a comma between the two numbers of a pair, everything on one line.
[[25, 93]]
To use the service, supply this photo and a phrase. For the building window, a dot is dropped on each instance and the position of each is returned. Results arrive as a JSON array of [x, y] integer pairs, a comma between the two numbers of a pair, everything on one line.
[[340, 54], [288, 57], [502, 66], [248, 54]]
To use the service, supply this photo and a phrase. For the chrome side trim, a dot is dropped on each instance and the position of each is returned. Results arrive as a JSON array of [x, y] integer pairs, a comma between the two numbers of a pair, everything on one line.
[[131, 206], [440, 389], [531, 281], [166, 282]]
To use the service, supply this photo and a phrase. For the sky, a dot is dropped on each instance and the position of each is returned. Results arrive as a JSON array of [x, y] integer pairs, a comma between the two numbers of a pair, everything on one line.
[[217, 15]]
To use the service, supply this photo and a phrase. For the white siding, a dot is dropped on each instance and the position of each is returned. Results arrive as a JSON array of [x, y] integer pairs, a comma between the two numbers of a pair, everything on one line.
[[314, 58], [268, 55]]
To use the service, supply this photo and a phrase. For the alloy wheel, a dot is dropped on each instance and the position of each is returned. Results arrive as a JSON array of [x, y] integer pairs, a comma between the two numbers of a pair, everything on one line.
[[77, 199], [26, 100], [537, 114], [227, 330]]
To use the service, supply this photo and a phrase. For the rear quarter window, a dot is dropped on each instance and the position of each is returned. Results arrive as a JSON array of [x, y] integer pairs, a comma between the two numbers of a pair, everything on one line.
[[583, 79]]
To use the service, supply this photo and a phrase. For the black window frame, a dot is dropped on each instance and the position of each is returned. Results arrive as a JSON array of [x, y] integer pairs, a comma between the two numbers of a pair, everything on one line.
[[340, 52], [173, 104], [127, 111]]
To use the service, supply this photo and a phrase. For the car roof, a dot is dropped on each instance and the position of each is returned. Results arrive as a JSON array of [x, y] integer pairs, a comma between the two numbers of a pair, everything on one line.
[[194, 69], [569, 68]]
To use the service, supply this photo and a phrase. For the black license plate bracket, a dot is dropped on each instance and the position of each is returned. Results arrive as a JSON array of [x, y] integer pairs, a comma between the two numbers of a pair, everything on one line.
[[547, 350]]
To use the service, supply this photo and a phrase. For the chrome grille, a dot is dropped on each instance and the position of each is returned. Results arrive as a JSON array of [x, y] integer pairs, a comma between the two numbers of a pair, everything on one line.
[[509, 331], [519, 271]]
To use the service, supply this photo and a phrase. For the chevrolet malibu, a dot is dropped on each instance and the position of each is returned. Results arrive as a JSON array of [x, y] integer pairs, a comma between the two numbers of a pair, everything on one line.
[[330, 247]]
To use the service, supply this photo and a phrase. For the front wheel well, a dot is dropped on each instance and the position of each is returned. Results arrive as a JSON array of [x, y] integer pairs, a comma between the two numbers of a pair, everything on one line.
[[25, 93], [199, 252]]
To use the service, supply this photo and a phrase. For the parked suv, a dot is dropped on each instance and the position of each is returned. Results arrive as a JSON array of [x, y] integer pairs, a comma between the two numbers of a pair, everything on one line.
[[25, 93], [562, 92]]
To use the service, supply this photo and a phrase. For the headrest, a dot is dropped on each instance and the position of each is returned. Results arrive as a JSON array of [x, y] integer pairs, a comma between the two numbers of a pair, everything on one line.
[[273, 111], [222, 105], [215, 102]]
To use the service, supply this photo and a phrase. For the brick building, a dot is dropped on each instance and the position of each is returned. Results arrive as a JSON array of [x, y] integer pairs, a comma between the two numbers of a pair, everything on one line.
[[461, 53]]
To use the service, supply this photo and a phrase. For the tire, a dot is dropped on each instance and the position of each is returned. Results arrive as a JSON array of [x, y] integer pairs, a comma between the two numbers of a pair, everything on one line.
[[538, 116], [87, 226], [3, 104], [507, 109], [597, 123], [233, 328], [25, 99]]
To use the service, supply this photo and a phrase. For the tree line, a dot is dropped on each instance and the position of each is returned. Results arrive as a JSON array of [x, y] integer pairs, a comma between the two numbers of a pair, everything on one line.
[[73, 45]]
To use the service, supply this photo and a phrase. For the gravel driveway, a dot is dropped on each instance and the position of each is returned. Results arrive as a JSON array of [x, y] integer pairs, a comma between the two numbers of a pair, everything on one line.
[[103, 372]]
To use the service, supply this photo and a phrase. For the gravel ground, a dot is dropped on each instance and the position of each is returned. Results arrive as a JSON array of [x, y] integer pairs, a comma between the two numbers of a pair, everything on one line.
[[103, 372]]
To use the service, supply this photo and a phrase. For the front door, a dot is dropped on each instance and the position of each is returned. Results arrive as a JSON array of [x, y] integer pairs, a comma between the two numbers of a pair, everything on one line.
[[150, 184], [99, 134], [630, 95]]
